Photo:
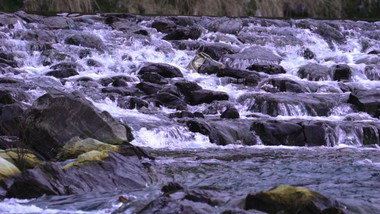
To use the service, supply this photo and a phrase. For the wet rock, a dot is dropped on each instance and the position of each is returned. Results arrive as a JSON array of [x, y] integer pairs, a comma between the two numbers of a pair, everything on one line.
[[318, 133], [171, 101], [184, 114], [184, 33], [171, 187], [279, 133], [372, 72], [250, 56], [142, 32], [370, 135], [10, 119], [132, 103], [224, 132], [117, 81], [22, 158], [205, 96], [341, 72], [86, 40], [7, 59], [6, 97], [314, 72], [50, 179], [153, 77], [216, 50], [294, 104], [186, 87], [366, 101], [54, 119], [230, 113], [209, 67], [246, 77], [308, 54], [163, 25], [62, 73], [124, 91], [93, 63], [267, 68], [165, 70], [375, 52], [288, 199], [285, 85], [84, 53], [225, 25], [149, 88], [58, 22], [51, 56]]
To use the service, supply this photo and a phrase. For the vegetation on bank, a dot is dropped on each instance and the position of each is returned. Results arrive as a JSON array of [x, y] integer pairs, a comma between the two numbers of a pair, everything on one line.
[[268, 8]]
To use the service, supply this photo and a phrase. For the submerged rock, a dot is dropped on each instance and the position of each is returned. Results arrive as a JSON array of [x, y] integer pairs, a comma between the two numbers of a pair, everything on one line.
[[341, 72], [314, 72], [295, 200], [54, 119], [86, 40], [230, 113]]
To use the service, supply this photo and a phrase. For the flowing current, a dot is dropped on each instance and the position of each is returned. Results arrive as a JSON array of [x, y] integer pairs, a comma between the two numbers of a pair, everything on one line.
[[338, 156]]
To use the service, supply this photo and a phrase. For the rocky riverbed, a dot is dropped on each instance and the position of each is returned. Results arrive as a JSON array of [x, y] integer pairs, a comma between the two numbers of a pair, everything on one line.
[[135, 114]]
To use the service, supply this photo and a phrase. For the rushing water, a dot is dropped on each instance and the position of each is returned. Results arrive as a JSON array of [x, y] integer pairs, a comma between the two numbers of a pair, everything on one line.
[[344, 169]]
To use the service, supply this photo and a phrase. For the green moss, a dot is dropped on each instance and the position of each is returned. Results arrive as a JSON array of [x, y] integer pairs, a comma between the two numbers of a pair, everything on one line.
[[10, 5]]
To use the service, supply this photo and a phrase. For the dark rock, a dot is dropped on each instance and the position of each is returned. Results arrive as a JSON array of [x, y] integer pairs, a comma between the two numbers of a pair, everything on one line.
[[153, 77], [62, 73], [308, 54], [171, 101], [37, 36], [250, 56], [205, 96], [117, 81], [8, 59], [247, 77], [366, 101], [318, 133], [149, 88], [119, 90], [184, 114], [341, 72], [230, 113], [93, 63], [287, 199], [142, 32], [285, 85], [86, 40], [6, 97], [209, 67], [10, 119], [225, 25], [54, 119], [165, 70], [374, 52], [67, 65], [84, 53], [186, 87], [224, 132], [50, 179], [164, 25], [184, 33], [216, 50], [267, 68], [279, 133], [171, 187], [58, 22], [132, 103], [314, 72], [372, 72], [50, 56], [370, 135]]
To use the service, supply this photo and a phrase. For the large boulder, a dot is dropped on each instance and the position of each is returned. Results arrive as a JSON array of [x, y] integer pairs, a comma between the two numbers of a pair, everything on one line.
[[165, 70], [366, 101], [92, 172], [288, 199], [86, 40], [10, 119], [54, 119], [279, 133]]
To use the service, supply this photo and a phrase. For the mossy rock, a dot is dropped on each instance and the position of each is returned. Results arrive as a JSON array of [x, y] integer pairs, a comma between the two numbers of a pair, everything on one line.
[[23, 158], [76, 147], [287, 199], [3, 154], [7, 169], [88, 157]]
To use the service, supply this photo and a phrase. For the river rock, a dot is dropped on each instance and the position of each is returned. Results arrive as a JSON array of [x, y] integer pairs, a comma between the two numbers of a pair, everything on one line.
[[132, 103], [288, 199], [366, 101], [149, 88], [63, 73], [86, 40], [230, 113], [165, 70], [225, 25], [128, 174], [245, 77], [267, 68], [314, 72], [54, 119], [184, 33], [205, 96], [308, 54], [164, 25], [341, 72], [171, 101], [23, 158], [10, 119], [284, 85], [216, 50], [153, 77], [279, 133], [58, 22], [209, 66]]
